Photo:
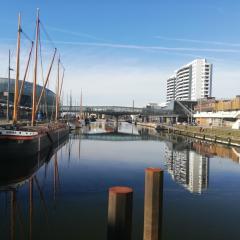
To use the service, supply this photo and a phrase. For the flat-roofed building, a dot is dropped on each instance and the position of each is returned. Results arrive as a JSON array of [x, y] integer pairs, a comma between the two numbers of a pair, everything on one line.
[[192, 81]]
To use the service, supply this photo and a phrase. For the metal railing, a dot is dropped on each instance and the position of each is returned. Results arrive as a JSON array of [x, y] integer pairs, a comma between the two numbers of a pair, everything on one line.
[[103, 109]]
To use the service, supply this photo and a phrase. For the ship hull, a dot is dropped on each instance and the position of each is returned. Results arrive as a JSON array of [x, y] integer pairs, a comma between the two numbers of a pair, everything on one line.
[[14, 172], [21, 147]]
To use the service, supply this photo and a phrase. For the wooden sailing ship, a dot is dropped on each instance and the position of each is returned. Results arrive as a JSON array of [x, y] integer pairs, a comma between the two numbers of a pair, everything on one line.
[[34, 138]]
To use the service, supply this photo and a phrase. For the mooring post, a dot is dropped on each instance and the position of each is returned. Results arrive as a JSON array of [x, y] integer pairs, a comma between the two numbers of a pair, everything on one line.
[[153, 203], [120, 213]]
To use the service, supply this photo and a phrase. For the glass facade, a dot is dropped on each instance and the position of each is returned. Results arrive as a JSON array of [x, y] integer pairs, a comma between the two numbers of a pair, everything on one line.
[[47, 105], [26, 99]]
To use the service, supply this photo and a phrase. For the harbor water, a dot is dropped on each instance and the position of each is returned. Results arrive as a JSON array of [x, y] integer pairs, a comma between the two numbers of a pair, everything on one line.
[[62, 193]]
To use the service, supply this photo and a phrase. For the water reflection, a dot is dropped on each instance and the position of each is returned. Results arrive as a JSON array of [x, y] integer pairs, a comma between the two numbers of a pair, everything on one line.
[[18, 175], [62, 193], [14, 172], [107, 132], [187, 167], [211, 150], [110, 127], [186, 160]]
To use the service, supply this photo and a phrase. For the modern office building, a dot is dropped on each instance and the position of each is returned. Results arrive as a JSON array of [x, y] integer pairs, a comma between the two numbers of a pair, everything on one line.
[[191, 82]]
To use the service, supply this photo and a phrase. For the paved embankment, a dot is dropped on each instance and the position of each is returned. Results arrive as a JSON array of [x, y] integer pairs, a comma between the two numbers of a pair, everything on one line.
[[219, 135]]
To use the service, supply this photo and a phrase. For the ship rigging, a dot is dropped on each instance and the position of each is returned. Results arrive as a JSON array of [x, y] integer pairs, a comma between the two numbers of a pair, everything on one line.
[[38, 136]]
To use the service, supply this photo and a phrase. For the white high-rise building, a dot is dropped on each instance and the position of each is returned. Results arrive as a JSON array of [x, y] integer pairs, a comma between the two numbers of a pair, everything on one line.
[[191, 82], [171, 85], [183, 83]]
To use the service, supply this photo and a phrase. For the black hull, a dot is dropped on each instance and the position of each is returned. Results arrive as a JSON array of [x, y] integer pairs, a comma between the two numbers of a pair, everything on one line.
[[14, 172], [24, 148]]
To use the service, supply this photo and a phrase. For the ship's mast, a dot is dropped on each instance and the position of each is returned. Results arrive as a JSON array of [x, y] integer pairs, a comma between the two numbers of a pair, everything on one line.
[[57, 92], [34, 95], [60, 92], [15, 106], [81, 106], [8, 90], [46, 81], [25, 75]]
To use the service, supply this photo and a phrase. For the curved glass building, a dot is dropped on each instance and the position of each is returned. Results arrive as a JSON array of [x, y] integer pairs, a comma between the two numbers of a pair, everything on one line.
[[47, 102]]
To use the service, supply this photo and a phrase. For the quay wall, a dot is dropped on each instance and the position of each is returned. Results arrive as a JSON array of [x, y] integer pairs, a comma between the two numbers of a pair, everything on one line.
[[218, 135]]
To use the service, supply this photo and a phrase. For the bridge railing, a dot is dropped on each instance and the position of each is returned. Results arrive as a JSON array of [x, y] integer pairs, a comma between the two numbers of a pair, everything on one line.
[[119, 110], [102, 109]]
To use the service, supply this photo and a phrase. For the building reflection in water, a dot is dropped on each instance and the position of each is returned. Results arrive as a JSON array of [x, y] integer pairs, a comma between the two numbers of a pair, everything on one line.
[[110, 127], [187, 167], [212, 149]]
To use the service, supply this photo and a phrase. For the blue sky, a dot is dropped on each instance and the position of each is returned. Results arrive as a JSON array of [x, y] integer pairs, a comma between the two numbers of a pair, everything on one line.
[[122, 51]]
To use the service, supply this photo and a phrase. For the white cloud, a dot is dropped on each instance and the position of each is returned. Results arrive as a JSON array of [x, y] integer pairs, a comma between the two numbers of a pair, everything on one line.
[[117, 85], [108, 78], [146, 47], [227, 44], [226, 81]]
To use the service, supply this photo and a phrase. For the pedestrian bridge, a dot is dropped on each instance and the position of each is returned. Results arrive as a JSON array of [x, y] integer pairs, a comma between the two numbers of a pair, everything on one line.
[[174, 109], [108, 110]]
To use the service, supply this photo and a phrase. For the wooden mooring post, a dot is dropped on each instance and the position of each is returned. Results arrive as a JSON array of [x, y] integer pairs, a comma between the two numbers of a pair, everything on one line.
[[153, 203], [120, 203]]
